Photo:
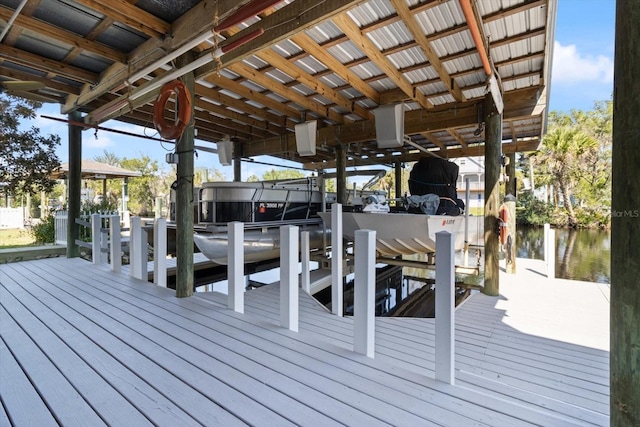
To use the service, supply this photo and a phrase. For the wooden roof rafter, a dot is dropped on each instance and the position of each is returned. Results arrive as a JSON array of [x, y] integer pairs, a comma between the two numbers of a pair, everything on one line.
[[418, 35], [353, 32]]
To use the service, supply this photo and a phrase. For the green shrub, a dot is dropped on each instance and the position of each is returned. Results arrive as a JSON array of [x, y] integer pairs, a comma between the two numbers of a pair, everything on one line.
[[45, 231], [532, 211]]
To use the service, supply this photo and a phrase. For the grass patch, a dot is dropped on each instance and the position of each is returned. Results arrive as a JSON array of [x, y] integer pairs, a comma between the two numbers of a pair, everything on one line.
[[15, 238], [476, 211]]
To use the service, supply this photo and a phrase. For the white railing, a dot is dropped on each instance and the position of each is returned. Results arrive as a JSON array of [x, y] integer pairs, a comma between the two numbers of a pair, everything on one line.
[[61, 227], [11, 217]]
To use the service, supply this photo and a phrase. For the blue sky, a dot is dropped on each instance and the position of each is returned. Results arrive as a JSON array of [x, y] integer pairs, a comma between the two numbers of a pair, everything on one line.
[[582, 74]]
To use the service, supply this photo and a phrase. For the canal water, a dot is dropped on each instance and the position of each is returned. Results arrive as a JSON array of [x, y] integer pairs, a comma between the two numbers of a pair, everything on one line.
[[580, 254]]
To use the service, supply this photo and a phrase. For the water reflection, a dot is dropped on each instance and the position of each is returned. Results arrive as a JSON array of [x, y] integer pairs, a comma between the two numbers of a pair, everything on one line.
[[580, 254]]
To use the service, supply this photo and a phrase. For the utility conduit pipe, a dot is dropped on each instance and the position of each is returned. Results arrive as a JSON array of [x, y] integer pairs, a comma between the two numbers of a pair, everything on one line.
[[475, 33], [103, 113]]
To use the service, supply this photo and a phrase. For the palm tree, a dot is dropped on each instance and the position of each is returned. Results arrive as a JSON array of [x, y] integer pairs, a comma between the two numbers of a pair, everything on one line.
[[564, 150]]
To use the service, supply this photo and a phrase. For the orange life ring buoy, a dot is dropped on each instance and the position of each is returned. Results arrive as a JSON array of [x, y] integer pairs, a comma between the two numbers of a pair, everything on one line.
[[503, 214], [183, 107]]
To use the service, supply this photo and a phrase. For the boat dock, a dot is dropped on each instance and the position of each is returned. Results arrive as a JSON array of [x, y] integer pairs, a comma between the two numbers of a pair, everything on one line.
[[82, 345]]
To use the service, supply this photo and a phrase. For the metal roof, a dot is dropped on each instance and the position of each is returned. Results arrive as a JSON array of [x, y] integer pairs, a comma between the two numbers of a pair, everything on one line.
[[335, 62]]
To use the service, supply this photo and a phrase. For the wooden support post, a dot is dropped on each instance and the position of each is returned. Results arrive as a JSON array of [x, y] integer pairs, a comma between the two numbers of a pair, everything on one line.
[[237, 161], [116, 243], [235, 267], [364, 302], [625, 220], [398, 179], [104, 245], [341, 174], [511, 244], [75, 184], [445, 307], [492, 153], [336, 260], [305, 254], [160, 252], [289, 277], [184, 195], [96, 235]]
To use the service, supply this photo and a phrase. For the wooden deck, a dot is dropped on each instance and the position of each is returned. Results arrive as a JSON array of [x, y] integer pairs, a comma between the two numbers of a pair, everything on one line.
[[84, 346]]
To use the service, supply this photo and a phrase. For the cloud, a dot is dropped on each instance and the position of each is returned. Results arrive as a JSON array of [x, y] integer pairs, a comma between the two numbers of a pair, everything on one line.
[[572, 67]]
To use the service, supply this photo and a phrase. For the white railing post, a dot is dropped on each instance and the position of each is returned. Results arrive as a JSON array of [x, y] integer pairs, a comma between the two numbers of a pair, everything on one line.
[[160, 252], [61, 227], [138, 249], [305, 258], [116, 248], [134, 239], [550, 252], [337, 293], [235, 266], [104, 241], [445, 307], [545, 245], [289, 277], [96, 256], [364, 293]]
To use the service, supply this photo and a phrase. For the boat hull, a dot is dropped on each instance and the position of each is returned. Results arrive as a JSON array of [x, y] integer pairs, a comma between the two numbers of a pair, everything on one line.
[[401, 233], [259, 244]]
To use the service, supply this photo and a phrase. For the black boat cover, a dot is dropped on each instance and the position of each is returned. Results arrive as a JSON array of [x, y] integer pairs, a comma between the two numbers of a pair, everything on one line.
[[432, 175]]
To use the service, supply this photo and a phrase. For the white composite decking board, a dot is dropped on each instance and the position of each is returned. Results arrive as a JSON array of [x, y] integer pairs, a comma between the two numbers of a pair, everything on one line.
[[307, 362], [157, 408], [548, 384], [192, 402], [177, 365], [108, 404], [67, 405], [200, 343], [396, 336], [398, 414], [395, 415], [422, 356], [395, 395], [19, 397]]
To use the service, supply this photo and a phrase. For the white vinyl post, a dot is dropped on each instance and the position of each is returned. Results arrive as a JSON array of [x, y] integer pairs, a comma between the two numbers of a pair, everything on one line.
[[550, 245], [104, 244], [289, 277], [306, 274], [235, 267], [160, 252], [336, 259], [467, 197], [95, 239], [545, 245], [364, 293], [134, 230], [116, 245], [445, 307], [138, 249]]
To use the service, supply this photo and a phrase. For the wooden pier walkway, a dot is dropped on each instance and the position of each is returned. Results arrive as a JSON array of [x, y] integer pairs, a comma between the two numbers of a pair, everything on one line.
[[81, 345]]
